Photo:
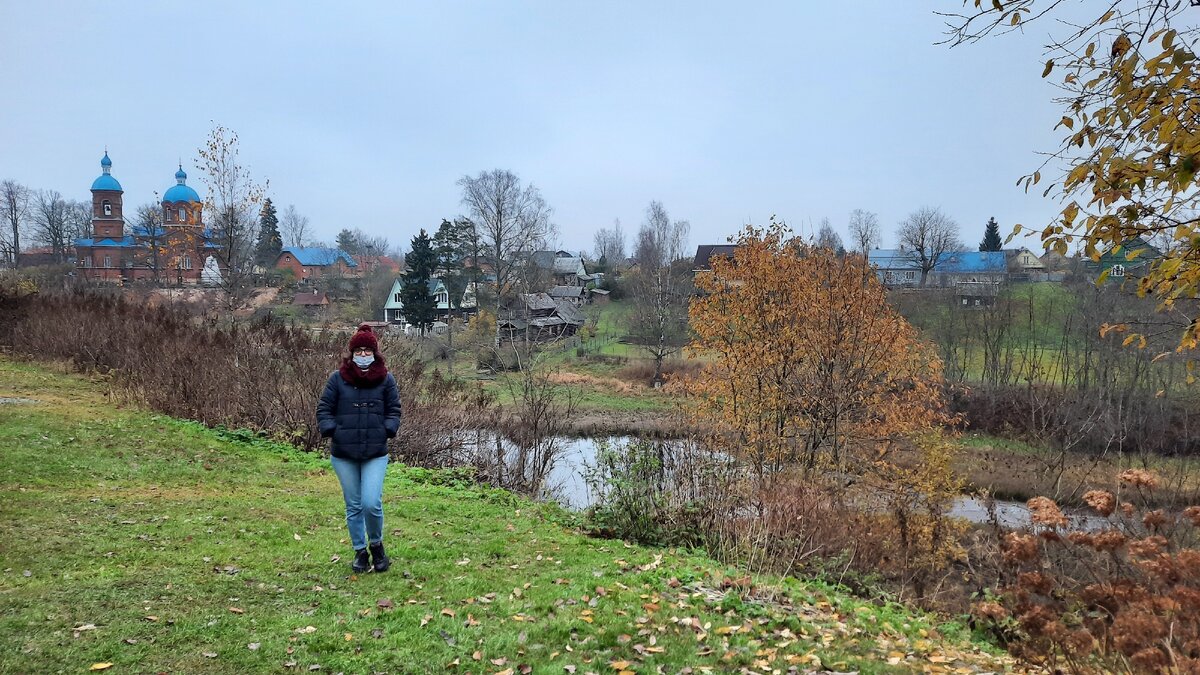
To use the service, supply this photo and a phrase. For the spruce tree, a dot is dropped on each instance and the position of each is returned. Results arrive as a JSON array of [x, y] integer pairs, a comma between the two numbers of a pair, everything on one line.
[[991, 237], [348, 242], [420, 307], [270, 241]]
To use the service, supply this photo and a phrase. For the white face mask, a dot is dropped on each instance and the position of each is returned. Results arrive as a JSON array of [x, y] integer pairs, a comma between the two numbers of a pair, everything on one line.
[[364, 361]]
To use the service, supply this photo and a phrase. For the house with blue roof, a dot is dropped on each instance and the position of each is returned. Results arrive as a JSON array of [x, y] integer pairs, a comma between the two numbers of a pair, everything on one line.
[[974, 276], [173, 250], [314, 262]]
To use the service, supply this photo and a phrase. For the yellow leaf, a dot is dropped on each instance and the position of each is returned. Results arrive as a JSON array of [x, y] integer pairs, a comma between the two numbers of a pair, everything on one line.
[[101, 666]]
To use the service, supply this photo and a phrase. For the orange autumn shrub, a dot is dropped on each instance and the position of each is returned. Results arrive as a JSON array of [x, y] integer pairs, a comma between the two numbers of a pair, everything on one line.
[[1120, 597]]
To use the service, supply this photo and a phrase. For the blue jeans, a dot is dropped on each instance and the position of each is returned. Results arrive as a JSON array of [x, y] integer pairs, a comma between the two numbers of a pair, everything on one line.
[[362, 488]]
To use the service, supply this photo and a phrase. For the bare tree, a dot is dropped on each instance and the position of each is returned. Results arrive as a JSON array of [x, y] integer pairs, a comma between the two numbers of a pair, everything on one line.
[[295, 227], [828, 238], [511, 221], [79, 220], [234, 199], [610, 245], [14, 209], [50, 222], [658, 322], [864, 231], [149, 222], [928, 235]]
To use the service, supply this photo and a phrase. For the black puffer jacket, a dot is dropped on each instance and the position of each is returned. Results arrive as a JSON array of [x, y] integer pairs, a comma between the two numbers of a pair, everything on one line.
[[359, 419]]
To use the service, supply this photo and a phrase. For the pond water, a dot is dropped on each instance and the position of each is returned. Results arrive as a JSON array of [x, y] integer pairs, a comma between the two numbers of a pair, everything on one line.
[[566, 485]]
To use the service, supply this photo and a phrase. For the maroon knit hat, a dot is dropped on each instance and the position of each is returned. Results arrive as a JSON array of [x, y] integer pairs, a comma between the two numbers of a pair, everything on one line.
[[365, 337]]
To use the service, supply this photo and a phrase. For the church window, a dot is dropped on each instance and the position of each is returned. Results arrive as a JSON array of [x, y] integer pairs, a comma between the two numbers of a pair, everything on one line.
[[182, 216], [107, 208], [108, 261], [187, 262], [1117, 271]]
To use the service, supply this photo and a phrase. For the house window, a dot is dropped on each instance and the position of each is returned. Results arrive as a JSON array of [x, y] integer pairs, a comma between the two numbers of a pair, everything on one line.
[[107, 208], [1117, 271], [398, 298], [976, 302], [910, 276], [107, 261], [964, 302], [187, 262]]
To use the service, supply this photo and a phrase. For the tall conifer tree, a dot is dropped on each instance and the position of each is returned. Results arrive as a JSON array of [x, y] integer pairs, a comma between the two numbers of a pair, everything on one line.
[[420, 308], [270, 241], [991, 237]]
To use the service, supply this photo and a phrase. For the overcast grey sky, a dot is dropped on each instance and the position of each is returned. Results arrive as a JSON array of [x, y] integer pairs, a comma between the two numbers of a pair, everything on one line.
[[366, 115]]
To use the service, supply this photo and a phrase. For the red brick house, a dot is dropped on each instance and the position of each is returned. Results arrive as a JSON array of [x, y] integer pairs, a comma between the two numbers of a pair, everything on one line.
[[316, 262]]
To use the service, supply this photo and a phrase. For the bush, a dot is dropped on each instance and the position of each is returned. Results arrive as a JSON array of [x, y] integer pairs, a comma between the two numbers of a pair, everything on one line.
[[265, 376], [1124, 597]]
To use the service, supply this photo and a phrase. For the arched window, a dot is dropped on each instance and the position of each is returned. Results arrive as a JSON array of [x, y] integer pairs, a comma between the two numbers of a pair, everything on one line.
[[1117, 271], [107, 208], [182, 216], [166, 214]]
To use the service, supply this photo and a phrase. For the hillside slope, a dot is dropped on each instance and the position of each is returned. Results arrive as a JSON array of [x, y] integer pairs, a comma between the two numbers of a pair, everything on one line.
[[154, 544]]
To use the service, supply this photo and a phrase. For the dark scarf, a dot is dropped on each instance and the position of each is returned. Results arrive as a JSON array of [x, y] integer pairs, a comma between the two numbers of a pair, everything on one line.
[[364, 378]]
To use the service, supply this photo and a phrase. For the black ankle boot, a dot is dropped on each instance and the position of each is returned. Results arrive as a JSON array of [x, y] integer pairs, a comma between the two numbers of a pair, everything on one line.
[[362, 561], [382, 562]]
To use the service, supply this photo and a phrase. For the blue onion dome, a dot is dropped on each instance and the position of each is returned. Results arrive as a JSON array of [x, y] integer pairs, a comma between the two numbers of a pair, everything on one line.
[[105, 181], [180, 192]]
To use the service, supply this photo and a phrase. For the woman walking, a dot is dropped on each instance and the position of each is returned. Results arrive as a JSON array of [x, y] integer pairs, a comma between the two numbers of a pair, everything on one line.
[[360, 411]]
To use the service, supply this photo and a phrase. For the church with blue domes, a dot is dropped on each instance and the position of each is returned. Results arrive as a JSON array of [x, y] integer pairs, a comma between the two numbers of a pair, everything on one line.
[[173, 250]]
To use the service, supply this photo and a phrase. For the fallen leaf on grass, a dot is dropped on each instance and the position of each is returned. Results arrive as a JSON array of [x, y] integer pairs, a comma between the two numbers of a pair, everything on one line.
[[307, 629], [253, 646], [569, 668], [377, 633], [426, 619], [210, 655], [448, 638], [498, 662], [295, 536], [237, 610], [446, 611], [385, 603], [100, 666]]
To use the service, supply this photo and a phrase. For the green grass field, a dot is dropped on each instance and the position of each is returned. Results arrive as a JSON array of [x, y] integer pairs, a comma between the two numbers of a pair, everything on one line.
[[133, 542]]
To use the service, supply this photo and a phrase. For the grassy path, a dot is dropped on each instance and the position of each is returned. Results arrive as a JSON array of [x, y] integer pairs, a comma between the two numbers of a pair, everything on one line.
[[153, 544]]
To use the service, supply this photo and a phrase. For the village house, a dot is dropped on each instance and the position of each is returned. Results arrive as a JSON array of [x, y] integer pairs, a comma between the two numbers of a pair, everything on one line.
[[1132, 260], [705, 253], [975, 276], [564, 268], [576, 295], [175, 250], [393, 309], [309, 263], [311, 300], [371, 263], [541, 318]]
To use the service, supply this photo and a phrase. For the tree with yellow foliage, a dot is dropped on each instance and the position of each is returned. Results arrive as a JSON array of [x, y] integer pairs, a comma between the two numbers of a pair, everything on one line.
[[810, 367], [1130, 148]]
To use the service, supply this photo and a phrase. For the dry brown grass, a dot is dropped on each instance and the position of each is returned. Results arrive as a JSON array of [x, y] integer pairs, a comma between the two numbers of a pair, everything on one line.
[[580, 379]]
